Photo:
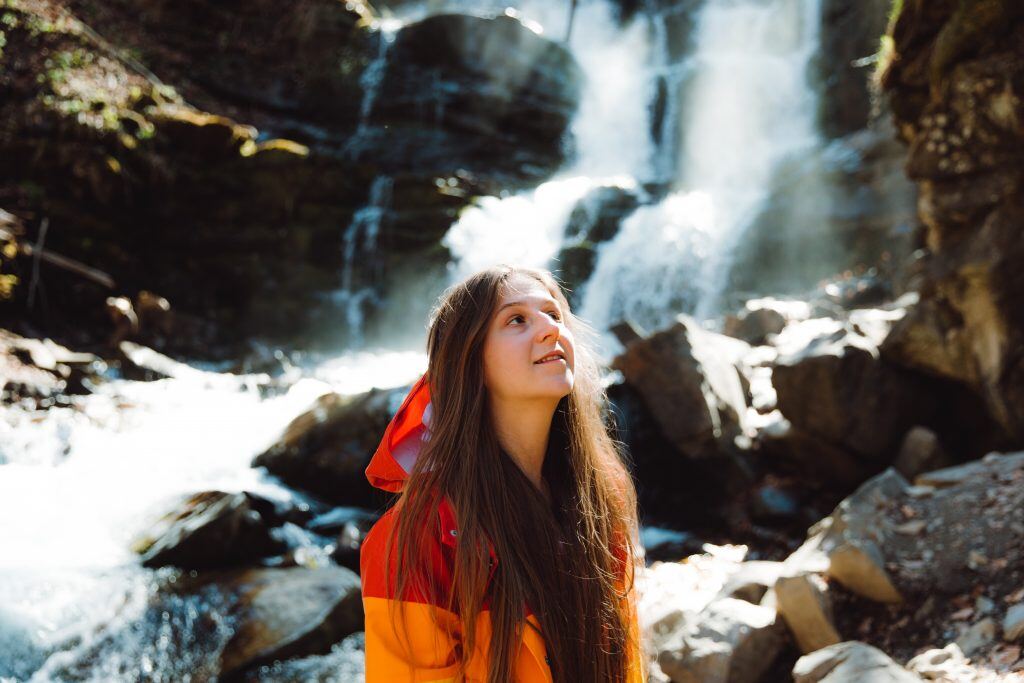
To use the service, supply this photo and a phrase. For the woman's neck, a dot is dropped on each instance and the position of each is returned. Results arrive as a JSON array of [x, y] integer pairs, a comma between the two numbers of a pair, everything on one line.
[[523, 432]]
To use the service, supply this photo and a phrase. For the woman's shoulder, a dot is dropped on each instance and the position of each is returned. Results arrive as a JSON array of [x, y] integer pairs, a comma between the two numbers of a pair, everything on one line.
[[430, 562]]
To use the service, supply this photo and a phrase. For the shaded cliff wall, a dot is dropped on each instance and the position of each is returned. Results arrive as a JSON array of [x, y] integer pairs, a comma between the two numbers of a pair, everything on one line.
[[955, 78]]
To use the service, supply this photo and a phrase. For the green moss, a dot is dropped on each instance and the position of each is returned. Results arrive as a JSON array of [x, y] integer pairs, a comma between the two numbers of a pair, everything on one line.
[[886, 44]]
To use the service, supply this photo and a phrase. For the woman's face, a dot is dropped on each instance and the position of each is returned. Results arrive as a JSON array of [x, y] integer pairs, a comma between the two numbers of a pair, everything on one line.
[[527, 326]]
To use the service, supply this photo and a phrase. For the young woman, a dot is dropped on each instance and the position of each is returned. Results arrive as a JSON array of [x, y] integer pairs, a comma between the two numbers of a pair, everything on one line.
[[509, 554]]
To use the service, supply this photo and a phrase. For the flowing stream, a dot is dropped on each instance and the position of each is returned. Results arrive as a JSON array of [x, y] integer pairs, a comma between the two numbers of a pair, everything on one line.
[[78, 482]]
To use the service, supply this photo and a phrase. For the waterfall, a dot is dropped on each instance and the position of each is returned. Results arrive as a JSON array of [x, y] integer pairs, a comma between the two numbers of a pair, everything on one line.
[[359, 246], [733, 109], [747, 105]]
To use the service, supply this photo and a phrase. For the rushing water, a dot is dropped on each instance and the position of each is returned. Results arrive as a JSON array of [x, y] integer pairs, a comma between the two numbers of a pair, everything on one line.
[[78, 482], [739, 102]]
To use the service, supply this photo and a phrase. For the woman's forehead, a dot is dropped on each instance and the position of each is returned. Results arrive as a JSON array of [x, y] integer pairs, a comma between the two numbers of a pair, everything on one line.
[[521, 287]]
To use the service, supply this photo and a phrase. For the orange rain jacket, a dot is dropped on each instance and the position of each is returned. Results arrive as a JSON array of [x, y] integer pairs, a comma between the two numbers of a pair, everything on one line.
[[430, 650]]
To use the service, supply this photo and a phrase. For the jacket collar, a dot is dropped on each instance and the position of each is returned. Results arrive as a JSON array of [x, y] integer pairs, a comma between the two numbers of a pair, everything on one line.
[[397, 452]]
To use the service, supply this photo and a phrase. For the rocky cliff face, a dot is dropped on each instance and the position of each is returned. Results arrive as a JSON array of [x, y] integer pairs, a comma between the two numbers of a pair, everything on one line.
[[955, 77]]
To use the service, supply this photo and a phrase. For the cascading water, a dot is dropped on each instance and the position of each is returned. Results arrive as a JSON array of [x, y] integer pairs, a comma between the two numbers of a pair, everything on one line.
[[748, 105], [745, 104]]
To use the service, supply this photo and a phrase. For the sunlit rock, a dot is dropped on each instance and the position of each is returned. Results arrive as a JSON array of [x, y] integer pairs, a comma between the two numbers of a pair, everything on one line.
[[804, 602], [731, 641], [853, 537], [850, 662]]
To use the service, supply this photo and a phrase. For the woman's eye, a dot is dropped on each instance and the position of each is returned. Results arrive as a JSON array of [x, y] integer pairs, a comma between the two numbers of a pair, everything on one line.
[[516, 317], [554, 314]]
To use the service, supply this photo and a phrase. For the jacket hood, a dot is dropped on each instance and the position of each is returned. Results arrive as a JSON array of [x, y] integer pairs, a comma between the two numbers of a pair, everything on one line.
[[394, 458], [400, 446]]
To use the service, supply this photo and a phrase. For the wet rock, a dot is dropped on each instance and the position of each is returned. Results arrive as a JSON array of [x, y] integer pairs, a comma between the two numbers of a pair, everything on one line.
[[345, 662], [285, 613], [42, 371], [803, 601], [348, 527], [733, 640], [850, 662], [325, 450], [485, 91], [690, 383], [596, 218], [207, 530], [754, 323]]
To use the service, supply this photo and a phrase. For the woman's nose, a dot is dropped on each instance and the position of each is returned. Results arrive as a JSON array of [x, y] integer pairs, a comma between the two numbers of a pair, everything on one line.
[[547, 327]]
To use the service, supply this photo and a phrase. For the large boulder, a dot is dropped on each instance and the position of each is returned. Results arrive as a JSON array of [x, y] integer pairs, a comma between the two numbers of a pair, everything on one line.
[[689, 380], [833, 384], [954, 75], [952, 529], [325, 450], [837, 389]]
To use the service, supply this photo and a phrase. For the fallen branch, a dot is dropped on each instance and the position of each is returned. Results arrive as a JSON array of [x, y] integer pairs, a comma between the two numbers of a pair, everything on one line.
[[62, 261]]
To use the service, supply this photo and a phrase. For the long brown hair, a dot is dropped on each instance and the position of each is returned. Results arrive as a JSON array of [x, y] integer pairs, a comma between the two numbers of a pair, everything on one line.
[[563, 559]]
